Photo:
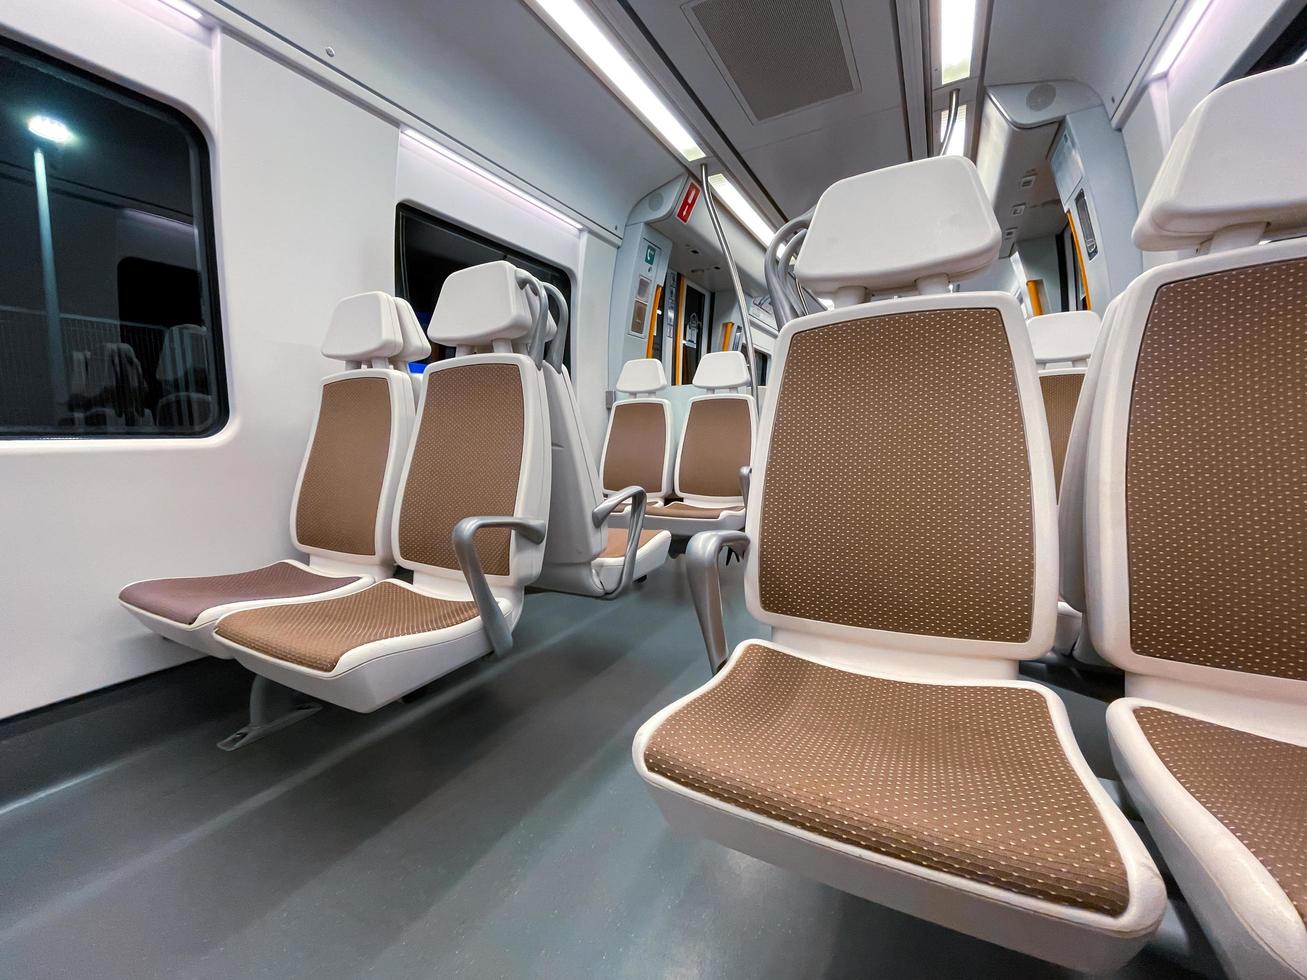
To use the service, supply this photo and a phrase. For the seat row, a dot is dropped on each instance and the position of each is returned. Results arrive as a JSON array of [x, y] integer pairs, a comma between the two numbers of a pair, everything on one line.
[[902, 541], [456, 491], [702, 469]]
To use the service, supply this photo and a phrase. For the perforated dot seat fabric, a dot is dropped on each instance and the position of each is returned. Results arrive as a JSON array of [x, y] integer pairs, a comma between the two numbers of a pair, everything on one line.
[[318, 634], [969, 780], [1216, 473], [683, 510], [184, 600], [898, 488], [616, 539], [1255, 786]]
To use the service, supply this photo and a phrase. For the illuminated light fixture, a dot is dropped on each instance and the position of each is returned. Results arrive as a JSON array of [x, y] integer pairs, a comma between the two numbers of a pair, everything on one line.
[[957, 139], [184, 8], [49, 128], [569, 18], [484, 174], [1301, 58], [730, 195], [957, 39], [1180, 35]]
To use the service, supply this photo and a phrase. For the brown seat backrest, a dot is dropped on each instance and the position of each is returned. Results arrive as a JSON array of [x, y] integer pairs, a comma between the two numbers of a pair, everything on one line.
[[638, 445], [343, 498]]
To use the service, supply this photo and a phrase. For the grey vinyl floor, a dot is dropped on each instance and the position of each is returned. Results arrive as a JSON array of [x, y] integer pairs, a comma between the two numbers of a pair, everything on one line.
[[492, 827]]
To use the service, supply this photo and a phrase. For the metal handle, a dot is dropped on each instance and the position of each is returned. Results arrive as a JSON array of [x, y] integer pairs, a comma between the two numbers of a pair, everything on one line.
[[559, 346], [740, 298], [469, 562], [706, 587], [953, 99], [639, 498], [535, 344]]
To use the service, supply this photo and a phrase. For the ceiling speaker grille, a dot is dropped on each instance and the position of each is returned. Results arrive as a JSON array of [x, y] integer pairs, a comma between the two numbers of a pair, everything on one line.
[[778, 55]]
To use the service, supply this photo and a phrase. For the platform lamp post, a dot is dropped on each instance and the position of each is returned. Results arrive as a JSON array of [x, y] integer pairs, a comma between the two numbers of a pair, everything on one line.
[[49, 130]]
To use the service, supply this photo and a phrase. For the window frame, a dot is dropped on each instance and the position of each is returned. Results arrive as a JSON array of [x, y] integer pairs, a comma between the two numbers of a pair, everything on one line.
[[206, 234], [513, 252]]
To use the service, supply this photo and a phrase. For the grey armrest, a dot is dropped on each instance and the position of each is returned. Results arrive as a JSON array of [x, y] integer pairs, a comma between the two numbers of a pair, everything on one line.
[[706, 586], [746, 477], [492, 617], [639, 499]]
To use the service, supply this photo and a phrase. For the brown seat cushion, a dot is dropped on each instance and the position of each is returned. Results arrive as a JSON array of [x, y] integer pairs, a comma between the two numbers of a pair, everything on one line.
[[616, 539], [970, 780], [318, 634], [182, 600], [684, 510], [1254, 785]]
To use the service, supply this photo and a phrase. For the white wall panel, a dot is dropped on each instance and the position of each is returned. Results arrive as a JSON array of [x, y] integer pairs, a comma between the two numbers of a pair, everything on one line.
[[305, 209]]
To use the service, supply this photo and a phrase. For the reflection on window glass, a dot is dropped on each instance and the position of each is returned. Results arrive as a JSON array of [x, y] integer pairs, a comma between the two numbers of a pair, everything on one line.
[[428, 249], [108, 318], [957, 31]]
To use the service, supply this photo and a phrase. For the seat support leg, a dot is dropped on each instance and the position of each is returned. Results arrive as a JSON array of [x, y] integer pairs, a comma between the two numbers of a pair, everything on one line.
[[272, 708]]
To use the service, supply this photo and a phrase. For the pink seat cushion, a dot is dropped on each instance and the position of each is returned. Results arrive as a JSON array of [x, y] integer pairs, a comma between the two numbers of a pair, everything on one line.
[[182, 600]]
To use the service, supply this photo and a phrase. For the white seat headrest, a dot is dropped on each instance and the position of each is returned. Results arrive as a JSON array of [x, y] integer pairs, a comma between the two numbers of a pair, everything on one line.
[[1064, 336], [416, 346], [479, 305], [185, 348], [1237, 161], [642, 377], [887, 230], [363, 327], [722, 369]]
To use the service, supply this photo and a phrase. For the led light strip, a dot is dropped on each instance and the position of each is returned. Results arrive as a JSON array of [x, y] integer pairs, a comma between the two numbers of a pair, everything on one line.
[[571, 20], [739, 205], [516, 193]]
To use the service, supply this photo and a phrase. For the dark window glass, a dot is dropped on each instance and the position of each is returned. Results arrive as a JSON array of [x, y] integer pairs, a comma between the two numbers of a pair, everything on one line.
[[1289, 48], [428, 249], [694, 332], [108, 308]]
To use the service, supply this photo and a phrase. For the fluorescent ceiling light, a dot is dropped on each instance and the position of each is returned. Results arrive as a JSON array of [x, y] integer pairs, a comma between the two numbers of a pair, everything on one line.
[[575, 23], [484, 174], [730, 195], [957, 140], [49, 128], [1180, 34], [957, 39], [1301, 58], [182, 7]]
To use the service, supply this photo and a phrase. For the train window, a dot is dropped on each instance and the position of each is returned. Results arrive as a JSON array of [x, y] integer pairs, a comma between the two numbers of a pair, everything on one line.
[[693, 321], [428, 249], [1289, 48], [109, 321]]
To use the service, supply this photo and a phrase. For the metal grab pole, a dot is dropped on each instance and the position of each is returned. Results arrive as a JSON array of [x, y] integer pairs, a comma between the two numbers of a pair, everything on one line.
[[740, 298]]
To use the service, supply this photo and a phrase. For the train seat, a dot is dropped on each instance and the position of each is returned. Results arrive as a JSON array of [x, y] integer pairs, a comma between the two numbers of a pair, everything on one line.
[[469, 521], [638, 446], [340, 511], [416, 346], [881, 741], [1196, 522], [587, 552], [716, 443], [1062, 344]]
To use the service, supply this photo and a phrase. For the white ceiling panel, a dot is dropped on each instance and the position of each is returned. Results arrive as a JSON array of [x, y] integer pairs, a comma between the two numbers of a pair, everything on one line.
[[1098, 42], [807, 91], [493, 77]]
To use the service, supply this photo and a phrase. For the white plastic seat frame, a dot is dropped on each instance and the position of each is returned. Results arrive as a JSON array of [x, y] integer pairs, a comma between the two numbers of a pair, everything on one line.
[[366, 334], [642, 379], [480, 317], [1070, 936], [722, 375], [579, 512], [1231, 190]]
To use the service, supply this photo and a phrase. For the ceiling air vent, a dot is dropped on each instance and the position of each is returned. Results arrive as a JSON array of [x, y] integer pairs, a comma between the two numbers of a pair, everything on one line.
[[778, 56]]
